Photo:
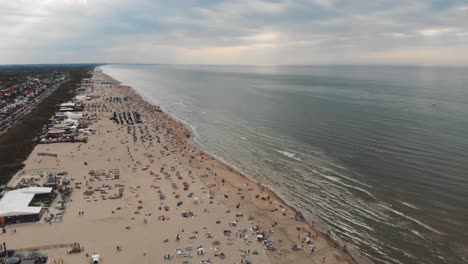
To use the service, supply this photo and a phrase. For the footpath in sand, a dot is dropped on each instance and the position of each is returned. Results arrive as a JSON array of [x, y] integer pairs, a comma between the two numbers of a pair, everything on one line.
[[141, 191]]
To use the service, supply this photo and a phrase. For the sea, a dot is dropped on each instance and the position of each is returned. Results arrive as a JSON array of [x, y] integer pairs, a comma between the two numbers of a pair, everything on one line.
[[376, 154]]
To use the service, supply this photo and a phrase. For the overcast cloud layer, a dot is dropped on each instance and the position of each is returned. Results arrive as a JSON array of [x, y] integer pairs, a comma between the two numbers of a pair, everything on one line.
[[234, 32]]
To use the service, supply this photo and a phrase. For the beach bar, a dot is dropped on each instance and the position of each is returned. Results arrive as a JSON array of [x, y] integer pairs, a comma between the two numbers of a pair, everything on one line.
[[14, 205]]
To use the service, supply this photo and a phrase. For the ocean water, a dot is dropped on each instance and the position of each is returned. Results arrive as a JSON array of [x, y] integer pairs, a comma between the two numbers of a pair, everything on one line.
[[378, 154]]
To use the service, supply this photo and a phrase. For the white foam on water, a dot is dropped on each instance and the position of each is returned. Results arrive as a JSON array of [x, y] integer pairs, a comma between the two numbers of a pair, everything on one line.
[[361, 224], [417, 233], [337, 180], [411, 219], [345, 177], [265, 136], [295, 151], [291, 154], [332, 178], [408, 204], [155, 101], [288, 154], [367, 210], [150, 99], [402, 251]]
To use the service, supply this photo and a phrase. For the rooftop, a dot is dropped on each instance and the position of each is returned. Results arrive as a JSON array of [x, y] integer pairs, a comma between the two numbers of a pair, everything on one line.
[[17, 202]]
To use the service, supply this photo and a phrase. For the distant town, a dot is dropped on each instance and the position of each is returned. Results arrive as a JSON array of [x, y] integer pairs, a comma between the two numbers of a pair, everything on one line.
[[19, 94]]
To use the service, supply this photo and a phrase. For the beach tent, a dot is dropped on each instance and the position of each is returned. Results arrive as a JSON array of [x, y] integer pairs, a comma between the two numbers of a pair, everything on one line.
[[69, 104], [72, 115], [80, 98], [70, 121]]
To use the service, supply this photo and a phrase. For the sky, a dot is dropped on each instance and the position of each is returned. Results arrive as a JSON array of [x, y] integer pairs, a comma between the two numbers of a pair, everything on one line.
[[259, 32]]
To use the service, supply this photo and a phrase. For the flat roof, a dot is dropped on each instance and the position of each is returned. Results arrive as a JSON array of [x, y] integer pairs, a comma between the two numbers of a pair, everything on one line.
[[17, 202]]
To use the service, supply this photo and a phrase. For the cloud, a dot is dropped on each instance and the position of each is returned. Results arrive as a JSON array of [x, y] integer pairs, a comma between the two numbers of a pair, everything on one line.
[[232, 31], [263, 37], [434, 32], [324, 3], [398, 35], [257, 54], [247, 7]]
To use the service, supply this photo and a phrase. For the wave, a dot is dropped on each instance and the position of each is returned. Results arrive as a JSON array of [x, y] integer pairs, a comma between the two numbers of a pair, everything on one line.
[[417, 233], [307, 176], [343, 176], [337, 180], [288, 154], [408, 204], [411, 219]]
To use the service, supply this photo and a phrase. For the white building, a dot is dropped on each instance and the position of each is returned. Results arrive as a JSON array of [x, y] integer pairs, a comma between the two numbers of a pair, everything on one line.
[[14, 206]]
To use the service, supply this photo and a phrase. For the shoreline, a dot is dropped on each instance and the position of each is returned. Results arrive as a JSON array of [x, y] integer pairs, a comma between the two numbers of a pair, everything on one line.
[[352, 252], [148, 170]]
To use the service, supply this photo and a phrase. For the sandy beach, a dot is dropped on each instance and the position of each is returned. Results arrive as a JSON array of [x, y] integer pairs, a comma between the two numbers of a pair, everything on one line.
[[142, 192]]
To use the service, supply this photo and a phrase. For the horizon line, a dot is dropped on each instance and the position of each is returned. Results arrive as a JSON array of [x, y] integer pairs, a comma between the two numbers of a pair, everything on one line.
[[247, 65]]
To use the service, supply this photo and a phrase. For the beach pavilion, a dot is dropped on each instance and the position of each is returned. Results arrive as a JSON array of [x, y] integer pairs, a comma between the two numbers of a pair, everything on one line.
[[14, 205]]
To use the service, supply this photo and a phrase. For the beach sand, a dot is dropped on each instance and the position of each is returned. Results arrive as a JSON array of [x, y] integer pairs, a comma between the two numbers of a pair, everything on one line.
[[224, 204]]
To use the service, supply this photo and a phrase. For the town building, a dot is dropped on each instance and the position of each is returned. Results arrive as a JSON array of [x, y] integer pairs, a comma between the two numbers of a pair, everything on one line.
[[15, 205]]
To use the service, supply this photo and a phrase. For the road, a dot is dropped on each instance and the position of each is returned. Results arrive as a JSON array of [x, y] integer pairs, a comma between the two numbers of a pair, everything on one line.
[[18, 116]]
